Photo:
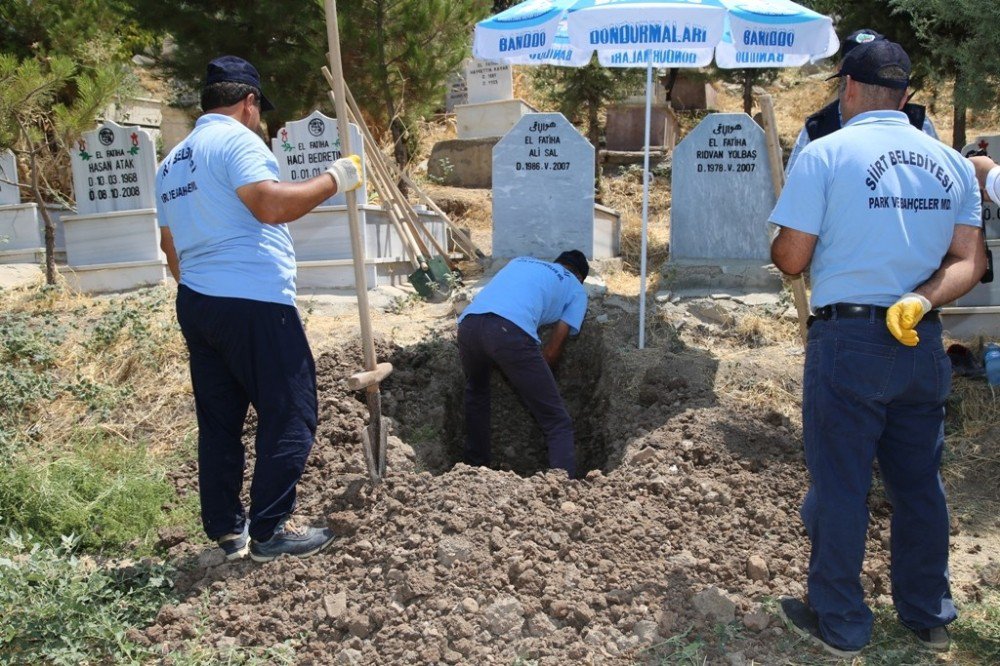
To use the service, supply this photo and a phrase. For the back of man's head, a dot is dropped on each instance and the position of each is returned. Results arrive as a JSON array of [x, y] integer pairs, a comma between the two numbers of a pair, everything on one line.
[[882, 69], [576, 261]]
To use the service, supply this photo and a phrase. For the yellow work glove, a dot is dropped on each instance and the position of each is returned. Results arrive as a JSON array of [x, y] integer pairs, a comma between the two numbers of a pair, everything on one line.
[[904, 315], [346, 172]]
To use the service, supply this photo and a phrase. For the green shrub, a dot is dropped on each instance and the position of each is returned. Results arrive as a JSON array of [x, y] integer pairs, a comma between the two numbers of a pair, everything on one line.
[[59, 608], [109, 493]]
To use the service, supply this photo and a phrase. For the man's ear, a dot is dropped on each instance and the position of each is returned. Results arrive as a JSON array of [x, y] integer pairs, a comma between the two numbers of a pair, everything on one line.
[[903, 101]]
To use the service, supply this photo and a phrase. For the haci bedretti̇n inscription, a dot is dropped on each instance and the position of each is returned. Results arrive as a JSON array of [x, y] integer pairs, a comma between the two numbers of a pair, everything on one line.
[[543, 189], [114, 168], [722, 193], [306, 148]]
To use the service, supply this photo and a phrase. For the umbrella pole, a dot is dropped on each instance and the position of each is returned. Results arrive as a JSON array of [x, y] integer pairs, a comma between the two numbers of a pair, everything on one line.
[[645, 205]]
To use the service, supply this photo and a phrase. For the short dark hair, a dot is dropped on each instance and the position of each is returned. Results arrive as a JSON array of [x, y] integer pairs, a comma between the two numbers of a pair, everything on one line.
[[226, 93], [576, 261]]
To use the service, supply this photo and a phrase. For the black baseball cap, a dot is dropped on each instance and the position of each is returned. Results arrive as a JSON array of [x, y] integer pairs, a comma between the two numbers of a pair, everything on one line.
[[859, 37], [575, 261], [236, 70], [878, 63]]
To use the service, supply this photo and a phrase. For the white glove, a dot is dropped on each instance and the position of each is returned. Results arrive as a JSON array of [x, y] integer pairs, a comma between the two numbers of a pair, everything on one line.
[[346, 173]]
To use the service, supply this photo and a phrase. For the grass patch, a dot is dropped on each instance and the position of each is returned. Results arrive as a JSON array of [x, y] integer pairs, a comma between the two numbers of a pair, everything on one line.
[[108, 493], [59, 608]]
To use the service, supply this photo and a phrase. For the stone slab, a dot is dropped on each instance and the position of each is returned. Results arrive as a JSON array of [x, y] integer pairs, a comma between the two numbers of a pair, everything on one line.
[[722, 192], [463, 162], [306, 148], [742, 275], [477, 121], [22, 227], [106, 278], [969, 323], [625, 128], [607, 232], [543, 189], [488, 81], [10, 194], [112, 238], [114, 170]]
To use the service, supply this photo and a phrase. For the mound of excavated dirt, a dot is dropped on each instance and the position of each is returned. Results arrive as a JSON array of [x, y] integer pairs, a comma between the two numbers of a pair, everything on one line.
[[686, 519]]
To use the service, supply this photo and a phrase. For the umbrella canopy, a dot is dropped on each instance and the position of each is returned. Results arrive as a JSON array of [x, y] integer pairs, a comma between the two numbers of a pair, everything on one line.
[[664, 33], [656, 33]]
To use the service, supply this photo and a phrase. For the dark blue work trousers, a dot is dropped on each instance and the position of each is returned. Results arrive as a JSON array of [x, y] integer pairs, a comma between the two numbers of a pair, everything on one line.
[[488, 339], [867, 396], [247, 352]]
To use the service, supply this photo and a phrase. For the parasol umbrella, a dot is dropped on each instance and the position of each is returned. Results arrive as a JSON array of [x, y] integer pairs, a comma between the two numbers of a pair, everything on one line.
[[656, 33]]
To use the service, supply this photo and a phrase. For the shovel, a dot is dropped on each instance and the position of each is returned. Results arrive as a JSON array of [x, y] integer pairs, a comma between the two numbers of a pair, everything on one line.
[[374, 436]]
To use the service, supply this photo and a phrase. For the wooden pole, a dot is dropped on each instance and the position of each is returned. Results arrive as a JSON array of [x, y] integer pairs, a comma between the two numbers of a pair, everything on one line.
[[795, 282], [376, 431]]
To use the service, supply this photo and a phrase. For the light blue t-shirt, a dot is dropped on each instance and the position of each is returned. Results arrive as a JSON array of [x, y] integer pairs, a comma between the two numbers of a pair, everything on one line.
[[531, 293], [884, 199], [803, 140], [223, 249]]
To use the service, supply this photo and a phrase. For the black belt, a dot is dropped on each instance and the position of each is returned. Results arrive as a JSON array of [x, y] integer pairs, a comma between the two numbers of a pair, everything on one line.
[[856, 311]]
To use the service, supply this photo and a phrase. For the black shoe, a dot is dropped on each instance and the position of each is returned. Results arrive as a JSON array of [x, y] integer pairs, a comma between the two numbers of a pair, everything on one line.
[[289, 539], [935, 638], [803, 620], [236, 545]]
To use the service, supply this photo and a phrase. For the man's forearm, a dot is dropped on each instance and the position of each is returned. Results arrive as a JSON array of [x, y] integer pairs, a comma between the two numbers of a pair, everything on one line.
[[955, 278]]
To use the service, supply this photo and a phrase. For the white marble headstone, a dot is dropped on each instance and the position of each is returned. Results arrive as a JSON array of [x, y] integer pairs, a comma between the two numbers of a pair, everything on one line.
[[543, 189], [991, 210], [488, 81], [722, 192], [458, 92], [306, 148], [9, 194], [114, 170]]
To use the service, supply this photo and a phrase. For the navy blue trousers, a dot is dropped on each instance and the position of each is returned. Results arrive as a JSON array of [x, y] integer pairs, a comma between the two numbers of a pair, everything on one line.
[[488, 339], [247, 352], [867, 396]]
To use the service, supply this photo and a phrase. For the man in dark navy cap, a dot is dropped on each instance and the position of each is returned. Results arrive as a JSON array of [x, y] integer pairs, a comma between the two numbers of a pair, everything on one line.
[[500, 327], [222, 212], [888, 221], [828, 119]]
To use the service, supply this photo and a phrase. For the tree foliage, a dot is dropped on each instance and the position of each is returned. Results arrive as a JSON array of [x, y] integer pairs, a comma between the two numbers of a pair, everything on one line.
[[39, 128], [397, 53]]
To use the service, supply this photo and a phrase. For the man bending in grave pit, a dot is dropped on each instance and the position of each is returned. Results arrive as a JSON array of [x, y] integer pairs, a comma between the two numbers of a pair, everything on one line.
[[500, 327]]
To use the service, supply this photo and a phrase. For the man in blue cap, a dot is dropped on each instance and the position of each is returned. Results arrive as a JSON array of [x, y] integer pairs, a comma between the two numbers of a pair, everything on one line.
[[500, 327], [222, 212], [828, 119], [889, 221]]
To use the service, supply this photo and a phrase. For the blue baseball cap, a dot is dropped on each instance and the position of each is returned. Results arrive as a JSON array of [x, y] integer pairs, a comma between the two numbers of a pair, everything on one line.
[[236, 70], [878, 63]]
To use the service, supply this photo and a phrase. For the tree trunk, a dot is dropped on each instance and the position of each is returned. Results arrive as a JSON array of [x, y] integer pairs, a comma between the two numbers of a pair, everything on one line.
[[958, 134], [747, 92], [594, 134], [671, 81], [50, 227]]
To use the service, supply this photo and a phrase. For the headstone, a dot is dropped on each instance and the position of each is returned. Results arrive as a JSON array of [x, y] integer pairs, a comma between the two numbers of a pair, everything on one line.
[[488, 81], [458, 92], [114, 169], [543, 189], [306, 148], [9, 194], [991, 210], [722, 192]]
